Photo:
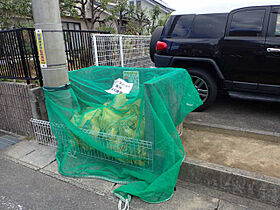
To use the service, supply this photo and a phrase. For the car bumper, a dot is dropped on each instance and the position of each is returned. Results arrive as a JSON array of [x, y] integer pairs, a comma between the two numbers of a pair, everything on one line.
[[162, 60]]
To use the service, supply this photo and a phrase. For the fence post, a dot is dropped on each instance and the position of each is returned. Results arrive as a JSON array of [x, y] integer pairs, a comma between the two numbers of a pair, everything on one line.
[[121, 50], [22, 53], [95, 49]]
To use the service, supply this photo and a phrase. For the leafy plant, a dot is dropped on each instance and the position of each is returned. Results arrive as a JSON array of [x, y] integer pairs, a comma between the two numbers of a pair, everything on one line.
[[154, 13], [15, 14], [89, 10]]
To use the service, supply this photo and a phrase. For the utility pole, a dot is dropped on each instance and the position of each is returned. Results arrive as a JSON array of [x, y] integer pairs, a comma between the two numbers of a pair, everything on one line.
[[46, 14]]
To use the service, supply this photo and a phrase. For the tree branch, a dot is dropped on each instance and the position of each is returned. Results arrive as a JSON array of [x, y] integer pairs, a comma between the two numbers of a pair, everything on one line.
[[79, 8]]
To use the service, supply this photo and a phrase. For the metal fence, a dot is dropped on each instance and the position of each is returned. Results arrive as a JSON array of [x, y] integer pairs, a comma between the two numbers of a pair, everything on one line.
[[19, 55], [121, 50], [88, 48], [44, 135], [79, 48]]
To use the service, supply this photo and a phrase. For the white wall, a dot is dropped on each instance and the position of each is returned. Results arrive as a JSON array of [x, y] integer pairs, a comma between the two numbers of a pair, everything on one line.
[[149, 5]]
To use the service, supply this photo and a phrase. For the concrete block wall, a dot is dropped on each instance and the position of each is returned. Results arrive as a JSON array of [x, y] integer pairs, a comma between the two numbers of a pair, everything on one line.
[[15, 108], [19, 103]]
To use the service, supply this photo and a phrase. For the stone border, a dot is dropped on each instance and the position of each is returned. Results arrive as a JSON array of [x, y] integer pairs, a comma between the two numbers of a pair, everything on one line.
[[264, 189], [19, 137], [239, 182], [235, 131]]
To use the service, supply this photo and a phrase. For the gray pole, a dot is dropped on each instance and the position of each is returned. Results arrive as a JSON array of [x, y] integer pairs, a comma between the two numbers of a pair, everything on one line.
[[46, 16]]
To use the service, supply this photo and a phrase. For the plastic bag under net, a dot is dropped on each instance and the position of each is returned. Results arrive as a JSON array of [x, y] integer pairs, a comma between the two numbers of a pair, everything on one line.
[[123, 138]]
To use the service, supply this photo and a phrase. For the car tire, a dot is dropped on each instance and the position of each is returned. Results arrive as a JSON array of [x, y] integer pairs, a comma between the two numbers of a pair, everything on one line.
[[206, 86], [153, 43]]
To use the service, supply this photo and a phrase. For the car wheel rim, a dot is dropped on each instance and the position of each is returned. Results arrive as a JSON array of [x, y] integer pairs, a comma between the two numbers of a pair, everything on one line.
[[201, 87]]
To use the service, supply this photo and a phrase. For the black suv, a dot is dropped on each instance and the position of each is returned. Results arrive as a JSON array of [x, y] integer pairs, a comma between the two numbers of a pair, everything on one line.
[[238, 51]]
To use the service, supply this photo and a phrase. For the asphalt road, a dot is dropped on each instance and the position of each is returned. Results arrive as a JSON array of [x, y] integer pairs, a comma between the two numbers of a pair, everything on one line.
[[252, 115], [23, 188]]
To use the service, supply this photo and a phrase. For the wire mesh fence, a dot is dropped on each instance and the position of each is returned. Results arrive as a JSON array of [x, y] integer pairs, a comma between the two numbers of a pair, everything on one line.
[[137, 153], [89, 48], [136, 51], [43, 132], [121, 50], [107, 50]]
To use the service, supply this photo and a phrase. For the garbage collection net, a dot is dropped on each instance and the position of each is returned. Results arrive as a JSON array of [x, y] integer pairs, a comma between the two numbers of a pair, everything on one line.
[[124, 138]]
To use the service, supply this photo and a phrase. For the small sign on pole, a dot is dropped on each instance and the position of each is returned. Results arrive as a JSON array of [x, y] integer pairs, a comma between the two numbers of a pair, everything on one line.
[[41, 48]]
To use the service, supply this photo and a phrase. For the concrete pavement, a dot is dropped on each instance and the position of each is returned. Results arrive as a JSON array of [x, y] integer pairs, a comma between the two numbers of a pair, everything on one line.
[[240, 115], [46, 185]]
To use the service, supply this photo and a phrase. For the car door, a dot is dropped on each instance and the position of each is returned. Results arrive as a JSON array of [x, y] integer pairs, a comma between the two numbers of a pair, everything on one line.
[[243, 49], [269, 77]]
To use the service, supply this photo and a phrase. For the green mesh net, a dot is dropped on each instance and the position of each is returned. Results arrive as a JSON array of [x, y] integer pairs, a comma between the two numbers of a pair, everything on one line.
[[124, 138]]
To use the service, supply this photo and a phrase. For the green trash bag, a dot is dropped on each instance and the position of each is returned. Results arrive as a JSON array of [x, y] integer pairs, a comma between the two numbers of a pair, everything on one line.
[[129, 138]]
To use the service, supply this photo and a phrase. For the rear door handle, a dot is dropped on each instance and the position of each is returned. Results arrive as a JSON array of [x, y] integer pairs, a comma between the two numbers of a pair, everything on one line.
[[277, 50]]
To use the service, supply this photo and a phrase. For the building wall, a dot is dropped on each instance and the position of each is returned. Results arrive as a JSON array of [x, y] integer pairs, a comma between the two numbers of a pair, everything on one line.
[[75, 20], [149, 5], [145, 4], [83, 24]]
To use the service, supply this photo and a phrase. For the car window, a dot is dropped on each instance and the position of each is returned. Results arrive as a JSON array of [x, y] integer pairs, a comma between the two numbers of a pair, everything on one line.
[[277, 28], [247, 23], [168, 25], [208, 26], [178, 26]]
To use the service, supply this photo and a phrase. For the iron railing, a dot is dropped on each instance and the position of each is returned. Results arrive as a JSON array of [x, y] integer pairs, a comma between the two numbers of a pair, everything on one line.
[[19, 56], [79, 48]]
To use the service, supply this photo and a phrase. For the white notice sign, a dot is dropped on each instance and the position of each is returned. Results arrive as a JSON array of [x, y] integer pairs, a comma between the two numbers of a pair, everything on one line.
[[120, 86]]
